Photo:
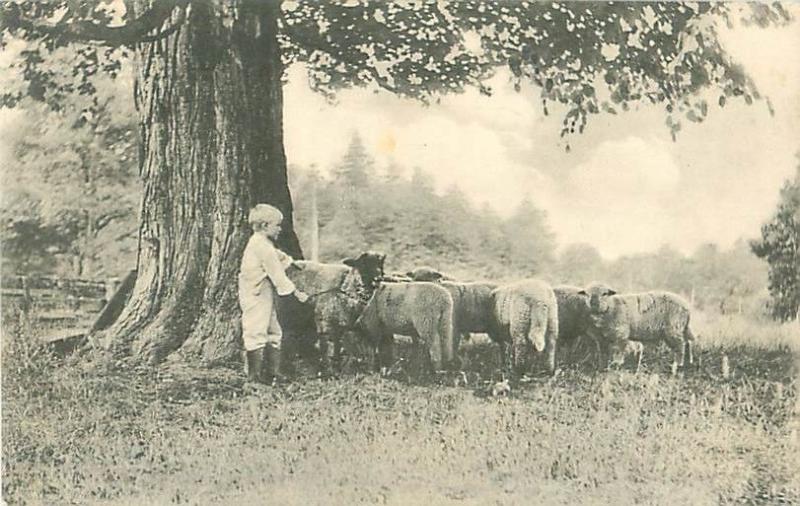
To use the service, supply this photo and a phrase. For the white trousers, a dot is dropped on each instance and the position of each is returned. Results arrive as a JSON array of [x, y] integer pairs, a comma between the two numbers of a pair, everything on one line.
[[259, 319]]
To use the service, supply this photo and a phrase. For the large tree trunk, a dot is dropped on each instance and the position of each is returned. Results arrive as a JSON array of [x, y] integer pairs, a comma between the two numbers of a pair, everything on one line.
[[210, 104]]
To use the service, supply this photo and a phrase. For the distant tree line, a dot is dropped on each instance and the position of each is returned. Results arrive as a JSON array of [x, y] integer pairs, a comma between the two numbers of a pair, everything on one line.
[[727, 282], [356, 205]]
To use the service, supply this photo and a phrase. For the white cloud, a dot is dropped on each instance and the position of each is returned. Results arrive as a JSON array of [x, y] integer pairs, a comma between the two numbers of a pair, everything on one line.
[[619, 199], [631, 168]]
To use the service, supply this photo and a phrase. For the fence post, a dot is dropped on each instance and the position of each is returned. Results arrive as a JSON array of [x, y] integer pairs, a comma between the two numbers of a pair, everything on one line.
[[26, 306], [27, 301]]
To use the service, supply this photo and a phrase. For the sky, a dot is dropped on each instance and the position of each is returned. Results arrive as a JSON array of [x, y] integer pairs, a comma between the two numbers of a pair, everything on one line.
[[625, 186]]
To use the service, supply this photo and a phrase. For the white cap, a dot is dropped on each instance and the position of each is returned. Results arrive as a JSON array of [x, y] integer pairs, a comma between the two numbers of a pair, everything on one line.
[[264, 213]]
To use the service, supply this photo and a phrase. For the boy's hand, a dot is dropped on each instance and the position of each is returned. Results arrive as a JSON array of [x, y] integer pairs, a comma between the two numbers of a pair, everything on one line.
[[284, 259], [301, 295]]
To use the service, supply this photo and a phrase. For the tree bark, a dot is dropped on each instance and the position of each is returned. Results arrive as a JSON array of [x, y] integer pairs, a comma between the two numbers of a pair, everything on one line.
[[210, 106]]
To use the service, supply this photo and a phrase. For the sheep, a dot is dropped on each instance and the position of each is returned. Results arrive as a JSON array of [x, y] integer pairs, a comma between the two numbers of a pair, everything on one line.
[[423, 311], [425, 273], [472, 308], [623, 322], [525, 315], [573, 316], [472, 301], [337, 295]]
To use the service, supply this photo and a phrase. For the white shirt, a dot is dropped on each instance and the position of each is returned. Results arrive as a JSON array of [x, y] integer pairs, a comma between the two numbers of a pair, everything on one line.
[[262, 261]]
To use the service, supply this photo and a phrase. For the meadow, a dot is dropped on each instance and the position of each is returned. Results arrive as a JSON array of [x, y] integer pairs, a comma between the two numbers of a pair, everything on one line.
[[99, 431]]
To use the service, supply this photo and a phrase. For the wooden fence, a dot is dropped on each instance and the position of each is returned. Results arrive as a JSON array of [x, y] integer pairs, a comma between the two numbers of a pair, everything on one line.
[[56, 307]]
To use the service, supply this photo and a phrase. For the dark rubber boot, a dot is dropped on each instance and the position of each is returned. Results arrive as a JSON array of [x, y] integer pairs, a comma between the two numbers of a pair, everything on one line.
[[255, 365], [272, 369]]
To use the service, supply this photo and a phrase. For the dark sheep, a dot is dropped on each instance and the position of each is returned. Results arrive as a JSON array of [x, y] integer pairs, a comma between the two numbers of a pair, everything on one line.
[[473, 308], [574, 321]]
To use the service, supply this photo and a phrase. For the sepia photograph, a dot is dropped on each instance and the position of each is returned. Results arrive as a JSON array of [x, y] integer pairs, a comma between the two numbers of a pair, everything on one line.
[[409, 252]]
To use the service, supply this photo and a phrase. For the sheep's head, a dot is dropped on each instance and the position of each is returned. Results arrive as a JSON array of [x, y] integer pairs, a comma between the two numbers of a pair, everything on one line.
[[598, 294], [369, 266]]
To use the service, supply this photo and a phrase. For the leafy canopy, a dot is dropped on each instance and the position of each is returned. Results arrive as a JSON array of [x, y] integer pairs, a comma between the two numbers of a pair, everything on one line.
[[592, 57]]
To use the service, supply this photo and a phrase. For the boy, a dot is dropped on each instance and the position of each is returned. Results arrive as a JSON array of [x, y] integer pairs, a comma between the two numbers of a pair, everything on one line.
[[262, 277]]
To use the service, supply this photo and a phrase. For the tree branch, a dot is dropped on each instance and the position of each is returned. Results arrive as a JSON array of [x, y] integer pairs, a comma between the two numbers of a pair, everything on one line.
[[130, 233], [380, 80], [377, 78], [103, 221], [72, 30]]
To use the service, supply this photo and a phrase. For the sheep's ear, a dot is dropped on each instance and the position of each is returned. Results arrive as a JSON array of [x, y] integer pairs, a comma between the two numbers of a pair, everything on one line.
[[582, 292], [611, 292], [349, 262]]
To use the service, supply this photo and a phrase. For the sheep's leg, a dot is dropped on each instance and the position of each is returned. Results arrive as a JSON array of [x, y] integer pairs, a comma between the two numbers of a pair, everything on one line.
[[337, 353], [581, 346], [324, 350], [358, 348], [385, 350], [458, 337], [519, 353], [676, 345], [573, 348], [599, 356], [617, 351], [635, 349], [464, 362], [493, 337], [507, 350], [550, 352], [447, 343], [688, 355], [600, 349], [603, 355], [463, 356], [688, 337], [434, 342]]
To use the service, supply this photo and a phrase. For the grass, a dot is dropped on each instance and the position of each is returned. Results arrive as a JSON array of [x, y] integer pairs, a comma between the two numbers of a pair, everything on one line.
[[109, 432]]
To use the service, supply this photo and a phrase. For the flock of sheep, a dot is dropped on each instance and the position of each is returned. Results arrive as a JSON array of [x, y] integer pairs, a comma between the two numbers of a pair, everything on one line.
[[528, 319]]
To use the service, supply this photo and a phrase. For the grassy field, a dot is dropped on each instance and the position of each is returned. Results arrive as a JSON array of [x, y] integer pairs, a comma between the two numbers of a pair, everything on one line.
[[104, 432]]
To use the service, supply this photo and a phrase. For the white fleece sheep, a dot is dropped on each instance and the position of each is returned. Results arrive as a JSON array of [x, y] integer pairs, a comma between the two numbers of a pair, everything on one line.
[[525, 317], [423, 311], [623, 322]]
